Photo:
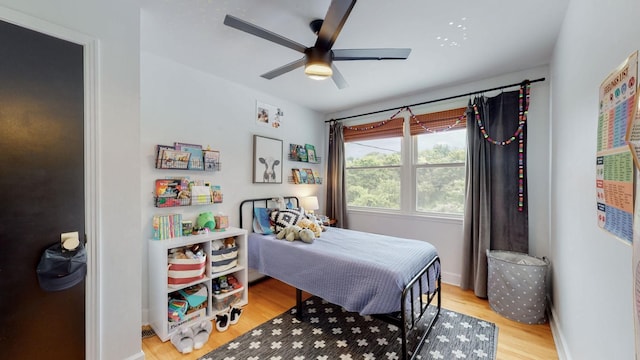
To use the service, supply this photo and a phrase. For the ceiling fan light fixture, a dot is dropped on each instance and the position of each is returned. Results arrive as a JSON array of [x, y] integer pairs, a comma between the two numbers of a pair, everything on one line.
[[318, 65], [318, 71]]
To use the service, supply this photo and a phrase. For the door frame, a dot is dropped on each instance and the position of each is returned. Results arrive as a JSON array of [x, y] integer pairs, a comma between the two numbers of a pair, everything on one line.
[[91, 49]]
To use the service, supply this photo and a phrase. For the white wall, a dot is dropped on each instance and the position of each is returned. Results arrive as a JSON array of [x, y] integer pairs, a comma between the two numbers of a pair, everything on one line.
[[115, 24], [183, 104], [446, 234], [592, 279]]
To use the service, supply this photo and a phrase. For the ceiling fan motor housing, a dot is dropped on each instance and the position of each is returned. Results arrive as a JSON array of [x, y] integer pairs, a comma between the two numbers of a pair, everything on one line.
[[318, 56], [318, 63]]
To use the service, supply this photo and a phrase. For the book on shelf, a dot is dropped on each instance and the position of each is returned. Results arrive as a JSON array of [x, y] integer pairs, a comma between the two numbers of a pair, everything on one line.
[[216, 192], [302, 153], [200, 195], [310, 178], [296, 176], [293, 151], [174, 159], [171, 192], [211, 159], [311, 153], [316, 177], [303, 177], [159, 151], [167, 226], [195, 160]]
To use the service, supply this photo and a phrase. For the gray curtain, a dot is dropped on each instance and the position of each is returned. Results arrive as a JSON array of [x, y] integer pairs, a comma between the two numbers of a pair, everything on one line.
[[492, 219], [336, 197]]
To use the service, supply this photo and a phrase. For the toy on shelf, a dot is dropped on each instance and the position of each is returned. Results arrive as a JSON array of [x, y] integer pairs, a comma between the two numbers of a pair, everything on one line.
[[206, 220], [226, 283]]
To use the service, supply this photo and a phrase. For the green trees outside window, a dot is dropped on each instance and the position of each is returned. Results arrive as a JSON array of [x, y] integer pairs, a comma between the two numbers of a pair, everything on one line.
[[375, 173]]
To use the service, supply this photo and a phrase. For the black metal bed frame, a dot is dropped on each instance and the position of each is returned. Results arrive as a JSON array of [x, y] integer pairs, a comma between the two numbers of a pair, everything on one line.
[[406, 319]]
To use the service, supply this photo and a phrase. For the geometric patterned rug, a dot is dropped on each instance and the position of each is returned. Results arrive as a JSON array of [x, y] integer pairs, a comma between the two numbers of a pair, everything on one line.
[[328, 332]]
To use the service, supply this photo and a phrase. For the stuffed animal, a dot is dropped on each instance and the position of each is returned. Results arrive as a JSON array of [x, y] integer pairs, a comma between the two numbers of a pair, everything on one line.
[[295, 232], [316, 220], [289, 233], [230, 242], [307, 235], [308, 224], [206, 220]]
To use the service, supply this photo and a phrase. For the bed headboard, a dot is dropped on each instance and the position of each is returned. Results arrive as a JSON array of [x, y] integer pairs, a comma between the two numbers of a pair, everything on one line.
[[262, 202]]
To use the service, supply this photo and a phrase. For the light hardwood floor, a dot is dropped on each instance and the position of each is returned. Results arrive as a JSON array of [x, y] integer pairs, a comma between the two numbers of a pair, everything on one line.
[[269, 298]]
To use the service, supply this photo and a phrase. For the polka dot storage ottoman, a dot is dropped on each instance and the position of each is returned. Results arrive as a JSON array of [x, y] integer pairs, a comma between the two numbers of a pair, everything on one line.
[[517, 286]]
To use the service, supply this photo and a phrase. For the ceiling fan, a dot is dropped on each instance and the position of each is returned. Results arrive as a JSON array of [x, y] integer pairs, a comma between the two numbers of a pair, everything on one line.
[[318, 59]]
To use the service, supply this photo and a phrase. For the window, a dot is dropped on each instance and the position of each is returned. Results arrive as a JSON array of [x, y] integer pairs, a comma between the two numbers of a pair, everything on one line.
[[373, 158], [428, 177], [440, 172], [372, 175]]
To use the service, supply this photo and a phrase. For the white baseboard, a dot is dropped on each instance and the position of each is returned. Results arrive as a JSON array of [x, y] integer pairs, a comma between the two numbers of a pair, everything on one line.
[[138, 356], [451, 278], [558, 338]]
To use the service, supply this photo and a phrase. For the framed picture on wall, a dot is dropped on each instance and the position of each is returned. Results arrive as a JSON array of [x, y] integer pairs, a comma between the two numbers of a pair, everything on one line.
[[267, 160], [268, 115]]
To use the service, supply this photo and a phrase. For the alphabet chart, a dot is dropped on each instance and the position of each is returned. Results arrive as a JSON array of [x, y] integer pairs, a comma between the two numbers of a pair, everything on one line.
[[615, 176]]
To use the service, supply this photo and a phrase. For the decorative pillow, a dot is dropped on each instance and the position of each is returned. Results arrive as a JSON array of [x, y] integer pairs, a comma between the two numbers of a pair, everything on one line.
[[285, 218], [261, 221]]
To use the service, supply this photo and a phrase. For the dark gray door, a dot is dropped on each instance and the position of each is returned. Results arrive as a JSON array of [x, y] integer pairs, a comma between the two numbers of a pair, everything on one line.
[[42, 182]]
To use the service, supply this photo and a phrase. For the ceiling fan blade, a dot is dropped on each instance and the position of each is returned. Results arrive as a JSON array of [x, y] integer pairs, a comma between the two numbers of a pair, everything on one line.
[[336, 16], [370, 54], [337, 78], [252, 29], [285, 69]]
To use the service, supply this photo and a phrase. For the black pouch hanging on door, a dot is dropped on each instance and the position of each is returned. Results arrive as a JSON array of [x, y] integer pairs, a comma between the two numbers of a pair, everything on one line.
[[60, 269]]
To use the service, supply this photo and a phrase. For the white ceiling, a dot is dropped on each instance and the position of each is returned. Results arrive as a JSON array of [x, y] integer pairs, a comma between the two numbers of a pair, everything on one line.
[[501, 36]]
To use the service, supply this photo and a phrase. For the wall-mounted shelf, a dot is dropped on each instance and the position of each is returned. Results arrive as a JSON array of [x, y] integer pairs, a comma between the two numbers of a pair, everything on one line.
[[186, 157], [303, 153], [290, 157], [179, 192], [181, 165], [302, 177]]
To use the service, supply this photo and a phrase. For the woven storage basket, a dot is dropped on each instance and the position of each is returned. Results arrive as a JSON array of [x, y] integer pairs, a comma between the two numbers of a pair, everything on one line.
[[517, 286]]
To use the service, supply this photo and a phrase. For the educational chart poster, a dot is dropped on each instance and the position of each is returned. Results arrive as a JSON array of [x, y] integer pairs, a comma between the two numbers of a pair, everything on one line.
[[630, 84], [615, 176], [636, 278]]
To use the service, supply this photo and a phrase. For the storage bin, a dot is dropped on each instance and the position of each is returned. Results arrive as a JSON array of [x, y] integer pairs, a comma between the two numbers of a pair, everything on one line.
[[517, 286], [188, 319], [222, 265], [185, 271], [224, 254], [196, 296], [223, 301]]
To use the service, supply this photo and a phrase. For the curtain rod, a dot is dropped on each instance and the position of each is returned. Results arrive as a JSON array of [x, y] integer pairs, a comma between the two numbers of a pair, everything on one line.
[[436, 100]]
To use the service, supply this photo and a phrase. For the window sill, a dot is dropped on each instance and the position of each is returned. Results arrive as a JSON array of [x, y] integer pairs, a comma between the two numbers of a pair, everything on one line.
[[445, 218]]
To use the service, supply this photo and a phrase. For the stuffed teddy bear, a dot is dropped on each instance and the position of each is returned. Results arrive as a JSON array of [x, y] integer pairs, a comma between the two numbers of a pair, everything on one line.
[[317, 221], [295, 232], [308, 224]]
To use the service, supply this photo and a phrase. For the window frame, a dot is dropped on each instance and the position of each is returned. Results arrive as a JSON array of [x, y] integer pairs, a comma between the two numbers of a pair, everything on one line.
[[400, 168], [409, 169]]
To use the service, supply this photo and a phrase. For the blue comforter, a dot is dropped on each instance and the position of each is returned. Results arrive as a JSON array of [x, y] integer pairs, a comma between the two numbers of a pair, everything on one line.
[[361, 272]]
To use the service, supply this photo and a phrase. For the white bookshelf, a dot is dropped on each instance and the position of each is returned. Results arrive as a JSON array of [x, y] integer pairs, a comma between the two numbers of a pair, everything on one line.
[[159, 289]]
